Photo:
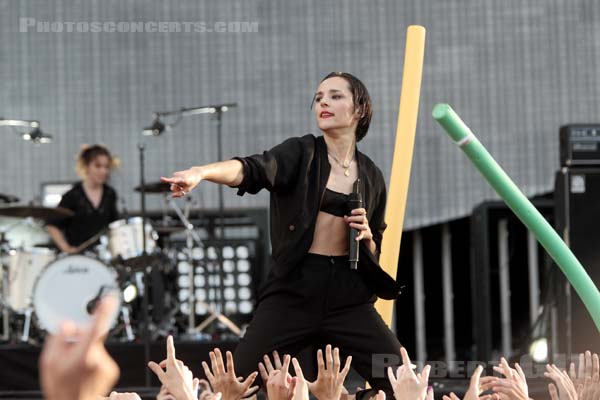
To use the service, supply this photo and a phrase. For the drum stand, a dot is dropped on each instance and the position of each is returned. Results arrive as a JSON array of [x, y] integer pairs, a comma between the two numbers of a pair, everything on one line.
[[127, 323], [191, 238], [27, 324], [5, 311], [4, 273]]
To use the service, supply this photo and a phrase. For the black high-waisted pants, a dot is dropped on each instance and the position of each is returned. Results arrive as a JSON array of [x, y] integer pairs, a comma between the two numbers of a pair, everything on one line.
[[322, 301]]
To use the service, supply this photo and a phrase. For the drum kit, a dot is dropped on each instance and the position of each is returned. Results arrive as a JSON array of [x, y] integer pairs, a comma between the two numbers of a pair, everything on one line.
[[40, 288]]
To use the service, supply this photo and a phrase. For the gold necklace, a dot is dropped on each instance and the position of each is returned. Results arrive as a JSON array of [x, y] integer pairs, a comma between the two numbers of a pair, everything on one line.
[[343, 165]]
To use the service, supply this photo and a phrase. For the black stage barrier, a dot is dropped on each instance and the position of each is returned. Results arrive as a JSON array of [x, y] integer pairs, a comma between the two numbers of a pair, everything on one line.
[[19, 362]]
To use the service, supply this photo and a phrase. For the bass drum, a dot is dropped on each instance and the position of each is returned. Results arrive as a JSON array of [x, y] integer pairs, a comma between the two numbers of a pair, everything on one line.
[[69, 288]]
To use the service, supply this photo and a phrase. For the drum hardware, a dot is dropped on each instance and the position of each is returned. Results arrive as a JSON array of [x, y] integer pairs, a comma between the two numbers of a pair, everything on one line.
[[168, 230], [146, 330]]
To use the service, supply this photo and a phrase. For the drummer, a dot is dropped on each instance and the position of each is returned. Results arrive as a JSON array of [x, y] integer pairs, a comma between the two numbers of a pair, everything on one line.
[[92, 200]]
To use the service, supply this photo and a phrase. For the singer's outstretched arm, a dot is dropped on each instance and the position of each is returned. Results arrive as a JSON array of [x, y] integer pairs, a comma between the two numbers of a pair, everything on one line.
[[228, 172]]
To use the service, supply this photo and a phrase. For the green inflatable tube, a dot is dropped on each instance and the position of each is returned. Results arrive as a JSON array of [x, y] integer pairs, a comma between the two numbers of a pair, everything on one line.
[[522, 207]]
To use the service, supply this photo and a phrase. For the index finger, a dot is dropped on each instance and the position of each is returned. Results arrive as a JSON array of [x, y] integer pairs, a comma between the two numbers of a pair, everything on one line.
[[520, 372], [588, 363], [320, 361], [572, 371], [170, 349], [405, 357], [359, 211], [581, 372], [268, 364], [297, 368], [474, 384], [172, 180], [230, 367], [277, 360], [286, 364]]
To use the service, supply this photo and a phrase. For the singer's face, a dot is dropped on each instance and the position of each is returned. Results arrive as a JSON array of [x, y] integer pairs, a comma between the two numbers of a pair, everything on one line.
[[334, 107], [98, 170]]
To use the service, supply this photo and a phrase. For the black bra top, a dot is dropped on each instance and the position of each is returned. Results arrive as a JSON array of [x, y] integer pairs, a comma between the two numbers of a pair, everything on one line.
[[335, 203]]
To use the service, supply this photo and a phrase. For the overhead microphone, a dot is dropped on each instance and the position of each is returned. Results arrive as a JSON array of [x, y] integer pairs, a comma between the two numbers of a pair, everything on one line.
[[156, 129], [37, 136]]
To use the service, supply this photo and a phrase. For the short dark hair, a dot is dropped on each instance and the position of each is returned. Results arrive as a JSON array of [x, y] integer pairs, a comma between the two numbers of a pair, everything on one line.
[[361, 99], [88, 153]]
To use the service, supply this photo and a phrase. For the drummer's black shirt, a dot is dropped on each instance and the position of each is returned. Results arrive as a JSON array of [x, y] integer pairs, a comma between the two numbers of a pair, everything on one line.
[[87, 220]]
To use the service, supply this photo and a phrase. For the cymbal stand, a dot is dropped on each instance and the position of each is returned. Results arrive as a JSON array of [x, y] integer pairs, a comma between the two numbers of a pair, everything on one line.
[[4, 288], [146, 331], [27, 324], [5, 273], [191, 238]]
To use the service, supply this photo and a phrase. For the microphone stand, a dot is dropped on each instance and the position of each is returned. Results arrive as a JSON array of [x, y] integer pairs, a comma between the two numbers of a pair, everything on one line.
[[219, 117], [217, 110], [145, 301]]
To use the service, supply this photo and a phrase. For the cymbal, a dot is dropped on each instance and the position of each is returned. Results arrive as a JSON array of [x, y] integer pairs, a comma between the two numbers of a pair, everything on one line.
[[8, 198], [154, 187], [43, 213], [23, 232]]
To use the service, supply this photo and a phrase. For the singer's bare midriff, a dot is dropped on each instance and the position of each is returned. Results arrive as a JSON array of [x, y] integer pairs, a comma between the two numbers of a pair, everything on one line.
[[331, 236]]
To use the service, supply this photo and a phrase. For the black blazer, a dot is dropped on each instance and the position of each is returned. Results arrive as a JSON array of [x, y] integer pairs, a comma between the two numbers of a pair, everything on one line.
[[295, 172]]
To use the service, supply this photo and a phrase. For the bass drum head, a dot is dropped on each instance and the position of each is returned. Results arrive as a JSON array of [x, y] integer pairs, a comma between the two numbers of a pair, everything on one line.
[[67, 287]]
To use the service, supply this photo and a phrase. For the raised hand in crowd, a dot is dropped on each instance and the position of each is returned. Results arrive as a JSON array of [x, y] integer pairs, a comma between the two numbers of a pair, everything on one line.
[[512, 387], [474, 389], [174, 375], [223, 380], [587, 379], [280, 384], [164, 394], [406, 384], [74, 363], [266, 367], [330, 380], [301, 392], [563, 388]]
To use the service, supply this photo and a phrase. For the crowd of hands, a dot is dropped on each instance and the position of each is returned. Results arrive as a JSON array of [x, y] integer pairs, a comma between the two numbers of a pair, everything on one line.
[[75, 365]]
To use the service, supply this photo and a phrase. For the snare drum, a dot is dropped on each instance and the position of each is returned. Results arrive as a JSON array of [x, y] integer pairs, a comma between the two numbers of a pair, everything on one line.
[[22, 269], [125, 238], [68, 288]]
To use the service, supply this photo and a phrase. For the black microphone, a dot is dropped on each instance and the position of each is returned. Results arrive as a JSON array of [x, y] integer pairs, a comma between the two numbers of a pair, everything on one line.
[[355, 201]]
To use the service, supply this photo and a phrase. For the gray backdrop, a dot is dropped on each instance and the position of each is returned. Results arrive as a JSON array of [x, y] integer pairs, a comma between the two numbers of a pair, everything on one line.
[[514, 70]]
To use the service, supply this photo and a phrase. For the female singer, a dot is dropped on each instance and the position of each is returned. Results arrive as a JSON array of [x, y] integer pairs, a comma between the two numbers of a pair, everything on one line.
[[312, 296]]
